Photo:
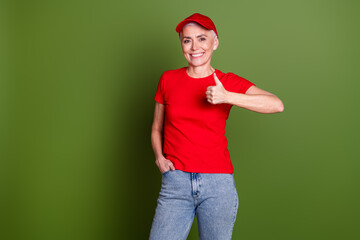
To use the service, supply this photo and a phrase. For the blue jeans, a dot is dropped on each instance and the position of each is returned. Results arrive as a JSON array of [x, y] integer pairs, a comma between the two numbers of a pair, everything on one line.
[[212, 197]]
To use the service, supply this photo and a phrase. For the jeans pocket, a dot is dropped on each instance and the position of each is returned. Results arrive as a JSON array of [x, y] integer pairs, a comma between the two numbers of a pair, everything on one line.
[[165, 173]]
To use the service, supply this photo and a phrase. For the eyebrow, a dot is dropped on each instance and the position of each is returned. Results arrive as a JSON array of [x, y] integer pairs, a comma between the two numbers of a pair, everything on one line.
[[201, 35]]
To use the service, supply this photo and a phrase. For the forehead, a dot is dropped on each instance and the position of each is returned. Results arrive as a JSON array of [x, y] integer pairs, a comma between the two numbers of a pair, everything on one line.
[[194, 30]]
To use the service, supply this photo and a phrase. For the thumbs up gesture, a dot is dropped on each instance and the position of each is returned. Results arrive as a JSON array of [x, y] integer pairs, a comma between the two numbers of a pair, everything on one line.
[[216, 94]]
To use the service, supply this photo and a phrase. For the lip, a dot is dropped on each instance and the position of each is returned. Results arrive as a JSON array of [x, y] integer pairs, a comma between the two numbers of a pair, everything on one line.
[[202, 54]]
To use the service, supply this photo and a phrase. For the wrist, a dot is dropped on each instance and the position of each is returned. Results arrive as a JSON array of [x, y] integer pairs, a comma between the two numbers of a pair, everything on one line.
[[228, 97], [159, 157]]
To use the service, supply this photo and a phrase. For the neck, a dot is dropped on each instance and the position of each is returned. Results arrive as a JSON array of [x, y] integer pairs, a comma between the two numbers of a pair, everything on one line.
[[200, 71]]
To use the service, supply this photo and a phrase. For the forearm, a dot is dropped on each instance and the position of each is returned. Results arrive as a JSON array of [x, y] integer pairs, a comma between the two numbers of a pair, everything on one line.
[[156, 142], [261, 103]]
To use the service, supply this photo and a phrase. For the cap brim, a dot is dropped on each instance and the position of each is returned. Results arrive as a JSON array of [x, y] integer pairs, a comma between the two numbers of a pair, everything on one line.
[[184, 22]]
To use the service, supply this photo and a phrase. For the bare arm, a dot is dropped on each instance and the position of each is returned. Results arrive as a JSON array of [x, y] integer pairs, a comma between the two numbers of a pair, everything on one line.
[[156, 139], [255, 99]]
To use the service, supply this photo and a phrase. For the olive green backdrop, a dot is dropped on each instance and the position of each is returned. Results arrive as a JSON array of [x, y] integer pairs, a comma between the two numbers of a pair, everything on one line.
[[77, 85]]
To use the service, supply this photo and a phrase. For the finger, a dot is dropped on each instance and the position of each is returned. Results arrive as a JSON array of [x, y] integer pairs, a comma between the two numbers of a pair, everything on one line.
[[162, 169], [172, 167], [217, 81], [212, 89]]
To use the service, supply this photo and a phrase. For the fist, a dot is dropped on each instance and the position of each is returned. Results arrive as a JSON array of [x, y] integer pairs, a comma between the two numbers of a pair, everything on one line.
[[164, 164], [216, 94]]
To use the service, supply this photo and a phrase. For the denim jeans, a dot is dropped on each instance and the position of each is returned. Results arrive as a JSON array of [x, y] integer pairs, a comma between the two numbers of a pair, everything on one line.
[[212, 197]]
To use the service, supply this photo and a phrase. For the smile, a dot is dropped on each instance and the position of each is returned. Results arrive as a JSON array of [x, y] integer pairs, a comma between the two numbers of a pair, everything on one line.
[[197, 55]]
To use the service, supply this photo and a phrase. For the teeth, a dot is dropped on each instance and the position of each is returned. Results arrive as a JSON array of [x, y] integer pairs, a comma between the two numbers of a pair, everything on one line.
[[197, 55]]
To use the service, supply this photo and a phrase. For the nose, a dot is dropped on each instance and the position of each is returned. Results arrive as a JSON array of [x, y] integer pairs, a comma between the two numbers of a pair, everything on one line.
[[194, 45]]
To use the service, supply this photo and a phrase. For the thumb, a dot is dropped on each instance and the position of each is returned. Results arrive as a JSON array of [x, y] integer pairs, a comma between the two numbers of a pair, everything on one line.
[[217, 81]]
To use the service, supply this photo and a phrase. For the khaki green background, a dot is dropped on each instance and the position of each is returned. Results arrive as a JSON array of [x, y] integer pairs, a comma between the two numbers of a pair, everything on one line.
[[78, 80]]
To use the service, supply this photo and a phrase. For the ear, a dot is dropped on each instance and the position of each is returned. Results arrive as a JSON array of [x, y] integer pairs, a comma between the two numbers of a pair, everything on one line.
[[216, 43]]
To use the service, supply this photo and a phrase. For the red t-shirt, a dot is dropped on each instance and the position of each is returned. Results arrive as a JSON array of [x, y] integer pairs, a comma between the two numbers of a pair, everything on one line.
[[194, 129]]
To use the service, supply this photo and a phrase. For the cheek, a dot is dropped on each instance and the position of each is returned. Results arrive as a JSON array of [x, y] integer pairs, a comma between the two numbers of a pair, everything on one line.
[[185, 48], [207, 46]]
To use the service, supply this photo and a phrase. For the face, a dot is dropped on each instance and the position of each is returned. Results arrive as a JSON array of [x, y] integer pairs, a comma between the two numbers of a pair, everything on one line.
[[198, 44]]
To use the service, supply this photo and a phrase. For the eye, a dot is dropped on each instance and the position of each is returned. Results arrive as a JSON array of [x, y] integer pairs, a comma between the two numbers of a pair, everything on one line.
[[186, 41], [202, 39]]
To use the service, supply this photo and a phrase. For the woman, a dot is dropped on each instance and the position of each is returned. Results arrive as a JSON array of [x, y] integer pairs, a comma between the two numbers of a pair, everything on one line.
[[191, 109]]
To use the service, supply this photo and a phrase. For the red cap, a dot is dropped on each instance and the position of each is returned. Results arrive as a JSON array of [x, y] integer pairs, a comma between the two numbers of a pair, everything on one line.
[[200, 19]]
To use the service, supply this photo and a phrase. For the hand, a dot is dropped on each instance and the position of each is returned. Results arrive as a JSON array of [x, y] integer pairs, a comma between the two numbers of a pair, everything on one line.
[[164, 164], [216, 94]]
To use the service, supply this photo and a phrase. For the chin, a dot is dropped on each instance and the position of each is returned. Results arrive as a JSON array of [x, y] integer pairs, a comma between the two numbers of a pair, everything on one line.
[[197, 64]]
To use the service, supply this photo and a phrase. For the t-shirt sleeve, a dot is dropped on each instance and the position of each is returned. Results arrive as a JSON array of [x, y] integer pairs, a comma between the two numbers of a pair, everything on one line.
[[159, 95], [240, 84]]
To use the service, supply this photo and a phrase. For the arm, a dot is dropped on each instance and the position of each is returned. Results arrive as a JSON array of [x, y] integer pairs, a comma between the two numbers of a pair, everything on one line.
[[255, 99], [156, 139]]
